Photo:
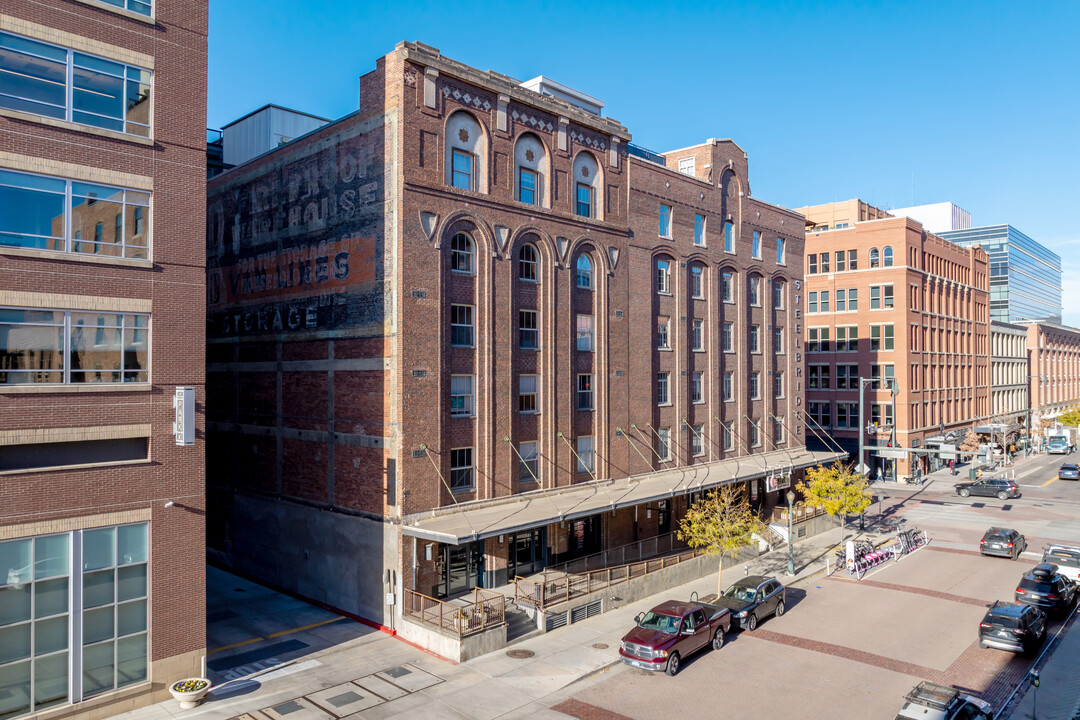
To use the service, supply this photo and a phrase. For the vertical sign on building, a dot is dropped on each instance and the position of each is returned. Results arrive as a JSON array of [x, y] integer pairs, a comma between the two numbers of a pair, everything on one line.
[[184, 426]]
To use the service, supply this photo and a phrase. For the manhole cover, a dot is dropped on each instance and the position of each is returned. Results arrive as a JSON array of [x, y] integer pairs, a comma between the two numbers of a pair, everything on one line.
[[519, 654], [600, 646]]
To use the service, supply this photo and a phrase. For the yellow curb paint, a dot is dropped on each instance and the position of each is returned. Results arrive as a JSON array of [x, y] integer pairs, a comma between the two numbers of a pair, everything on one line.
[[274, 635]]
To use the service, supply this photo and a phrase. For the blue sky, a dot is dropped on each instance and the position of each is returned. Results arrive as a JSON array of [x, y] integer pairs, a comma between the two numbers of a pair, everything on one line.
[[893, 102]]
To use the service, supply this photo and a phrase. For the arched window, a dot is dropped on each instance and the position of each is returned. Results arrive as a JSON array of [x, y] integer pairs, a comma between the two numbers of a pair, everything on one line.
[[887, 257], [527, 261], [587, 195], [584, 272], [530, 159], [466, 150], [461, 253], [874, 259]]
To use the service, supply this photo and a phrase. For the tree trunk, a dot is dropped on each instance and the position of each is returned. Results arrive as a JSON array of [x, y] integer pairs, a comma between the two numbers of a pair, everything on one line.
[[719, 573], [843, 528]]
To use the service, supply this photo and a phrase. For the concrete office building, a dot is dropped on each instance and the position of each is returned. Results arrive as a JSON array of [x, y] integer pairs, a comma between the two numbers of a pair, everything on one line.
[[1008, 381], [888, 301], [102, 300], [1054, 371], [936, 217], [469, 331], [1025, 277]]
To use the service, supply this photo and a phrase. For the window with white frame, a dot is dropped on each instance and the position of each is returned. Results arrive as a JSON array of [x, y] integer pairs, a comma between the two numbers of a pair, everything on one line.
[[727, 434], [466, 149], [697, 387], [663, 334], [528, 329], [841, 255], [461, 325], [778, 340], [686, 165], [461, 395], [697, 444], [853, 260], [729, 237], [779, 290], [811, 264], [586, 455], [143, 7], [727, 289], [64, 84], [527, 186], [585, 333], [727, 340], [49, 213], [583, 274], [755, 338], [529, 463], [841, 300], [527, 262], [852, 299], [727, 387], [663, 276], [778, 384], [697, 282], [527, 393], [663, 396], [875, 258], [462, 174], [699, 230], [461, 469], [584, 204], [781, 251], [881, 297], [823, 260], [462, 253], [663, 443], [585, 391], [818, 377], [755, 385], [665, 221], [698, 335], [755, 245], [887, 257], [811, 302], [817, 339], [824, 301], [69, 347]]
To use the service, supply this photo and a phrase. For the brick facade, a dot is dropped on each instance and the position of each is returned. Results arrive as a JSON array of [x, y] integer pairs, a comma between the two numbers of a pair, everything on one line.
[[1054, 370]]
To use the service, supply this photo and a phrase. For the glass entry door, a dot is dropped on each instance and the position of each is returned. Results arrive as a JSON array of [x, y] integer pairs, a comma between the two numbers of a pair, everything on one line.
[[527, 552], [458, 569]]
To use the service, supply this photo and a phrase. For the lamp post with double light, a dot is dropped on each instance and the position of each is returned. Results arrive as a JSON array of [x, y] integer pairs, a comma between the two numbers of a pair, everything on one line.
[[790, 537]]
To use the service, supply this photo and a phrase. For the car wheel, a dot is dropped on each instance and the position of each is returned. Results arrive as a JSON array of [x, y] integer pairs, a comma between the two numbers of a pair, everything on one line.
[[672, 665], [1003, 495], [718, 639], [964, 492], [780, 608], [751, 622]]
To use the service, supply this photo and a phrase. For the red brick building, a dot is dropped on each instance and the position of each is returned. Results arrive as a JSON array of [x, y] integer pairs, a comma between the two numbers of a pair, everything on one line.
[[102, 211], [889, 302], [470, 331], [1054, 377]]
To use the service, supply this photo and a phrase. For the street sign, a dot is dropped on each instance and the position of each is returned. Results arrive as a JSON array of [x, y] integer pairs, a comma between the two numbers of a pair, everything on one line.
[[862, 469], [898, 454]]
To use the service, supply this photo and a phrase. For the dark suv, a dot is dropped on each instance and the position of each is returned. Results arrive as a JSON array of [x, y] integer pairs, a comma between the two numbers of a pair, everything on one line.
[[1069, 471], [1013, 626], [1044, 587], [990, 487], [1002, 542]]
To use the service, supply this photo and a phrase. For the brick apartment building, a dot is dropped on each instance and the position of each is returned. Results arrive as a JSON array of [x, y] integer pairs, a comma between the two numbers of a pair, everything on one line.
[[1054, 370], [102, 118], [469, 331], [886, 301]]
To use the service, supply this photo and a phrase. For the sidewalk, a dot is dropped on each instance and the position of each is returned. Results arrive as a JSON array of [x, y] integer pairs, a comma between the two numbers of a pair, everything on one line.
[[494, 685], [1058, 694]]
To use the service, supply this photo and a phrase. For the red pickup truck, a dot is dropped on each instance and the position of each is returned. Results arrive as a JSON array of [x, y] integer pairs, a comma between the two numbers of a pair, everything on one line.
[[671, 631]]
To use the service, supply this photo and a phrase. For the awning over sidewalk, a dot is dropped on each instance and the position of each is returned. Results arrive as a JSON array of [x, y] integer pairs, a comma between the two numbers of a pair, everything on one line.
[[458, 524]]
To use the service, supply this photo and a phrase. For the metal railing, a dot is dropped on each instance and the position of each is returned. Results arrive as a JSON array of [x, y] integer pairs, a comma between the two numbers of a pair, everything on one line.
[[622, 555], [802, 512], [645, 154], [544, 590], [487, 610]]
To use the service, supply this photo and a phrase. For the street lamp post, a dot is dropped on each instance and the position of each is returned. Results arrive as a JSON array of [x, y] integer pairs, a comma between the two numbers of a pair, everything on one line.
[[790, 537]]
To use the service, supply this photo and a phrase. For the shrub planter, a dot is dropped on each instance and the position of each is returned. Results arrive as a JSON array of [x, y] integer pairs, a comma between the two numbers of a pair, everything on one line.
[[190, 692]]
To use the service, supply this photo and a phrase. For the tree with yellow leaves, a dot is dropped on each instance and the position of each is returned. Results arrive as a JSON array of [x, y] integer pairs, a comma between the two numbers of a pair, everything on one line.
[[721, 523], [838, 489]]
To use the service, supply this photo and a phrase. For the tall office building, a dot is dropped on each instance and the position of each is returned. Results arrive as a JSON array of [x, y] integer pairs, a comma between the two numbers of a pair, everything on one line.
[[936, 217], [102, 304], [1025, 277]]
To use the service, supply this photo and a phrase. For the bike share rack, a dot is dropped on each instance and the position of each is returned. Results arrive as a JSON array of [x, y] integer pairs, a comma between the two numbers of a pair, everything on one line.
[[905, 543]]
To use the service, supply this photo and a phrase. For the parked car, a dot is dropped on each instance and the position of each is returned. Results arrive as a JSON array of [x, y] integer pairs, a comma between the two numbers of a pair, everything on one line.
[[1066, 557], [752, 598], [1013, 626], [1000, 487], [1069, 471], [1045, 588], [1002, 542], [672, 631], [930, 701]]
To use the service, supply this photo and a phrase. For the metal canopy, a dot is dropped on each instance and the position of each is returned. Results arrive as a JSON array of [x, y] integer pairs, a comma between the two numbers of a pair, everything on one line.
[[458, 524]]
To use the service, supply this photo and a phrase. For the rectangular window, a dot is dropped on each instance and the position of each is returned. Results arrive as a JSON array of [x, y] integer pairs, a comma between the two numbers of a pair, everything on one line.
[[755, 433], [699, 230], [728, 436], [755, 245], [881, 414], [881, 337], [778, 288], [697, 283], [818, 377], [824, 301], [461, 469], [697, 388], [755, 290], [463, 170], [529, 464], [584, 200], [843, 418], [914, 338], [726, 337], [727, 288], [882, 375], [698, 339], [778, 340], [663, 443], [881, 297], [755, 385], [778, 384], [527, 393], [461, 395], [686, 165], [914, 297], [526, 186], [461, 325], [663, 277], [46, 213], [852, 299], [847, 377], [584, 392], [729, 237], [139, 6], [67, 85], [528, 332], [820, 412], [817, 340], [662, 395], [663, 336], [778, 430], [811, 260], [886, 296], [823, 260], [697, 443], [755, 338], [781, 251], [811, 302], [665, 221], [70, 347], [586, 462], [727, 387], [852, 260], [840, 257], [841, 300], [585, 333]]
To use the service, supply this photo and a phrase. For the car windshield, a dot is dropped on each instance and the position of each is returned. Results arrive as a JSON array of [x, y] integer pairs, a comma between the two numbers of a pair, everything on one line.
[[1060, 558], [663, 623], [740, 593]]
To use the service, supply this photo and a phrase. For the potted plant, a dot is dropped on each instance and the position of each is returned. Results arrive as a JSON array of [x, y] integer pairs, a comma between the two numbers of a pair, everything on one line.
[[190, 691]]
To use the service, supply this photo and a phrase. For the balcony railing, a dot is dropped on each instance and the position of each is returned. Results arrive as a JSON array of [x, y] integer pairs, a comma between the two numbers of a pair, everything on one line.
[[802, 512], [487, 610], [622, 555], [645, 154]]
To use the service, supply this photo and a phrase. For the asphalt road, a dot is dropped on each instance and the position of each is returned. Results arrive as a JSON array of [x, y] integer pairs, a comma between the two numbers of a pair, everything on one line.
[[848, 649]]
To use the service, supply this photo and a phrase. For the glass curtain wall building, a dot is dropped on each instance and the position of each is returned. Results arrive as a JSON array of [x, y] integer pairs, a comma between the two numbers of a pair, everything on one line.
[[1025, 277]]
